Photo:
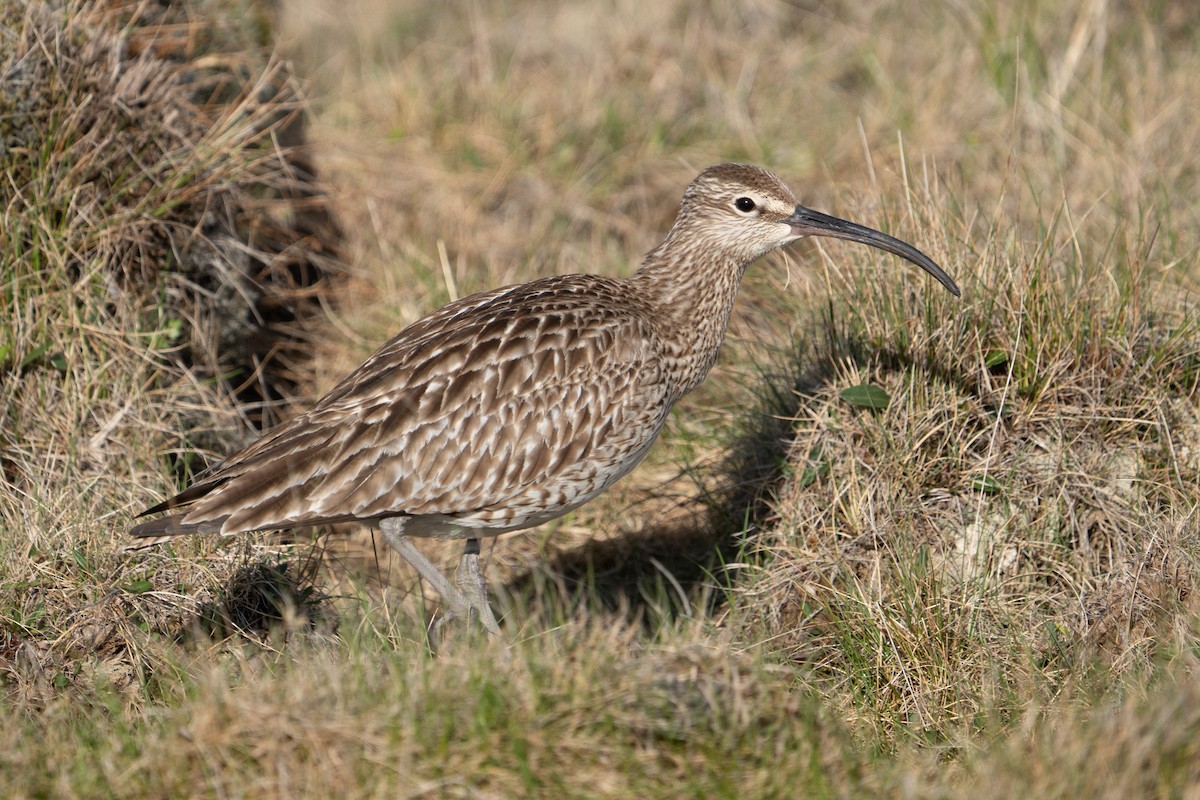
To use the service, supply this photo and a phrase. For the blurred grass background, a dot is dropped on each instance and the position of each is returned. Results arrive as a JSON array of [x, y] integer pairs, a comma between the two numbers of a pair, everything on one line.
[[986, 588]]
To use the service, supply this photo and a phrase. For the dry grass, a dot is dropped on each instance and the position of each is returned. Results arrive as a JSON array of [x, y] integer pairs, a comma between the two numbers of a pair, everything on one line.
[[986, 587], [139, 226], [1024, 504]]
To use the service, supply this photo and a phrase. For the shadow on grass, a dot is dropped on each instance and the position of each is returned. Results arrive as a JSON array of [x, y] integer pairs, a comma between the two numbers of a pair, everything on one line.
[[681, 565], [260, 598], [667, 569], [685, 566]]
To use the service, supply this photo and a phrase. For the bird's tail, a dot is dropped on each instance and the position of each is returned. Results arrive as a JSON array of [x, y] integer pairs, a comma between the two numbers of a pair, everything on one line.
[[160, 531]]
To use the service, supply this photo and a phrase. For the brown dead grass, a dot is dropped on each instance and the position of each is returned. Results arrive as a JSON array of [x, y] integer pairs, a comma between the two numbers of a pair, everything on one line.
[[924, 547], [990, 583], [144, 282], [1079, 539]]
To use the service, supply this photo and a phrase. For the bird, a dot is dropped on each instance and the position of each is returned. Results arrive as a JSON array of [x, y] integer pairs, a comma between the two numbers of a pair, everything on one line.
[[512, 407]]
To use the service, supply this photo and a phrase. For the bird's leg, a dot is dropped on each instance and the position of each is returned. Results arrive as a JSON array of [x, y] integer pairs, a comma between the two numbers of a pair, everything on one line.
[[474, 590], [393, 534]]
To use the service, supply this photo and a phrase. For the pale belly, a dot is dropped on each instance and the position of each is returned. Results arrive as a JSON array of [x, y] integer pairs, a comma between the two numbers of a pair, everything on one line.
[[536, 504]]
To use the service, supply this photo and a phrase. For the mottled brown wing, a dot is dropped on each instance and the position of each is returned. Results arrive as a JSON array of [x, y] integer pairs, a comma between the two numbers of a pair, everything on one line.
[[498, 406]]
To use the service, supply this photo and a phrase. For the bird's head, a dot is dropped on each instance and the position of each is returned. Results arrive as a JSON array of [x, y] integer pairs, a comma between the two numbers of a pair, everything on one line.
[[746, 212]]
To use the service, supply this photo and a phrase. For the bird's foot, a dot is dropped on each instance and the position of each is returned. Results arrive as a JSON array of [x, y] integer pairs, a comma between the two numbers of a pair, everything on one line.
[[473, 588], [469, 601]]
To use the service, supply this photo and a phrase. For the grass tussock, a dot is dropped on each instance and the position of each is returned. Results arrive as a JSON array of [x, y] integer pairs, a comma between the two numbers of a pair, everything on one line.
[[985, 585], [1019, 509], [141, 225]]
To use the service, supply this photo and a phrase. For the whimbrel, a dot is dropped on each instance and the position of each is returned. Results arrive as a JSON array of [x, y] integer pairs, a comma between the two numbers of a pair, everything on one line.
[[510, 408]]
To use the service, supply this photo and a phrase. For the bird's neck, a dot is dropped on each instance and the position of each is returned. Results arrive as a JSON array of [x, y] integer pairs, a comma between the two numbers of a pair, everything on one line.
[[690, 290]]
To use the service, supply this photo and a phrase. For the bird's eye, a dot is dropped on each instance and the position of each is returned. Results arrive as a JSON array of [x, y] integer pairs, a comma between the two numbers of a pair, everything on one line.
[[744, 204]]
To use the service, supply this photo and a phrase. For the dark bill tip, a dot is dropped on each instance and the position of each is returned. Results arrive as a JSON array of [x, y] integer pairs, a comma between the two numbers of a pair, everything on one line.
[[806, 222]]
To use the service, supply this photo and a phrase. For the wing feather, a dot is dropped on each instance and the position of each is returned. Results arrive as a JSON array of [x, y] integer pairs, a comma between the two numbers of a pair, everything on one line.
[[532, 395]]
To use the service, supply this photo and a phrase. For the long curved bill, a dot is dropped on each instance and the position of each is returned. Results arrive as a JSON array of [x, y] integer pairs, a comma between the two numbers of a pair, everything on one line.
[[806, 222]]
